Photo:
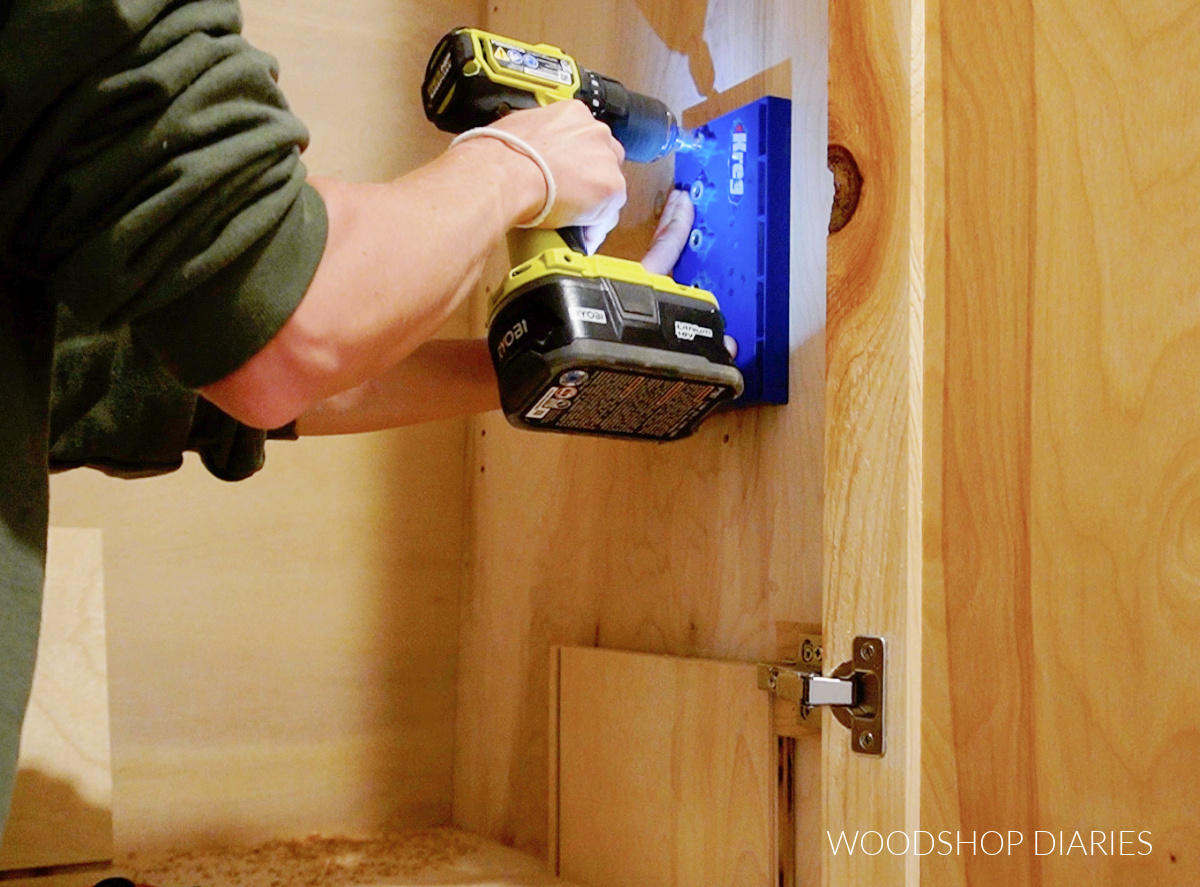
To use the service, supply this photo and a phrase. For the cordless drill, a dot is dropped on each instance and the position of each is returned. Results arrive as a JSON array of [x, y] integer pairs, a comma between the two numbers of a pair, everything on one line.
[[584, 344]]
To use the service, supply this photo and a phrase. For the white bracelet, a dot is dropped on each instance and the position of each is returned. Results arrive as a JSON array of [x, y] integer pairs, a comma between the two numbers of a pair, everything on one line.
[[489, 132]]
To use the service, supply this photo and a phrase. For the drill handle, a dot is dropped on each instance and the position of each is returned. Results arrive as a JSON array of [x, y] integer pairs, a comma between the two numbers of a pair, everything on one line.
[[525, 244]]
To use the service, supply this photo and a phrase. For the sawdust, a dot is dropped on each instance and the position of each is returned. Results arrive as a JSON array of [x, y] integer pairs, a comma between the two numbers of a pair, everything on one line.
[[316, 860]]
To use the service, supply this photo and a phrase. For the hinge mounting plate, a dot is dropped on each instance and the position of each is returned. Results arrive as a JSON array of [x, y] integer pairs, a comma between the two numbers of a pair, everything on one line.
[[854, 691]]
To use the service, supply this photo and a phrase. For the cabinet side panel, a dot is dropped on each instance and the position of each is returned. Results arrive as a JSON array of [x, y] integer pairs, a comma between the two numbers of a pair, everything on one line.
[[697, 548], [62, 803]]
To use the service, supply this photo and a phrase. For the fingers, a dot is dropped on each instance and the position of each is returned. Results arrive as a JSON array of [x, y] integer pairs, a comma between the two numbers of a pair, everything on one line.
[[671, 237], [584, 158], [615, 146], [595, 233]]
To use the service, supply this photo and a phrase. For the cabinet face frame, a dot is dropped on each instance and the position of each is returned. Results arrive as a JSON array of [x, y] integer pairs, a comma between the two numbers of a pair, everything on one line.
[[875, 365]]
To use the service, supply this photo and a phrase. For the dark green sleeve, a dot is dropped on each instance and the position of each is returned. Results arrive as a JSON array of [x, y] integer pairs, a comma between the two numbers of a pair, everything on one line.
[[152, 177], [115, 408]]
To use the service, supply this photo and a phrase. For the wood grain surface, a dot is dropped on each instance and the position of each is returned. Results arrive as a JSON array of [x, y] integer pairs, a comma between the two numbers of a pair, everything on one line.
[[872, 527], [284, 648], [939, 777], [666, 772], [62, 803], [1064, 569], [697, 548]]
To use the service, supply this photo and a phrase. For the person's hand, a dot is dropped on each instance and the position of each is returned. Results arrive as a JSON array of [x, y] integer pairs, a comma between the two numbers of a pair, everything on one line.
[[585, 161], [671, 236]]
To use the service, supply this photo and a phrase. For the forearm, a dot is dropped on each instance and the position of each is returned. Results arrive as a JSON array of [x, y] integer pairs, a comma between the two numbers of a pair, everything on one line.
[[399, 259], [454, 377], [441, 379]]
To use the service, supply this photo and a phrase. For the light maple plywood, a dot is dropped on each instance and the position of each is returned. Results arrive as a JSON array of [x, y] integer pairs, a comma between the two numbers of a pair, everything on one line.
[[776, 81], [1115, 431], [872, 527], [694, 549], [61, 810], [284, 648], [666, 772], [1067, 478]]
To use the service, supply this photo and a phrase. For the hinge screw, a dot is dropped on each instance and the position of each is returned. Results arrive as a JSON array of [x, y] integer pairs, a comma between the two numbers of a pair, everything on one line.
[[866, 741], [867, 652]]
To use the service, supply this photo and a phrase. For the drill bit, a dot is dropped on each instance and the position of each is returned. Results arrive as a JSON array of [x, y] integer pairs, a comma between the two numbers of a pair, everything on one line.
[[688, 141]]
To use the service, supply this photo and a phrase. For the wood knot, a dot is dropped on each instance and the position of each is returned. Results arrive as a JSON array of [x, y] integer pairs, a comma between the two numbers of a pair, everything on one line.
[[847, 187]]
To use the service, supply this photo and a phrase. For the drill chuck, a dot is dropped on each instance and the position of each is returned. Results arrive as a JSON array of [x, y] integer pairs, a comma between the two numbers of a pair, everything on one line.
[[644, 126]]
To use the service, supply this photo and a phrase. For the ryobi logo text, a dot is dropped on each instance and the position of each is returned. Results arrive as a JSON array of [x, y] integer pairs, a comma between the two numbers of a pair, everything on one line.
[[687, 332], [510, 338], [588, 315], [737, 163]]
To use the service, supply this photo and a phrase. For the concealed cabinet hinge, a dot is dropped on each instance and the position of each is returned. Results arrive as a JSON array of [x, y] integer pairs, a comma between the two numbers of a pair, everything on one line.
[[854, 691]]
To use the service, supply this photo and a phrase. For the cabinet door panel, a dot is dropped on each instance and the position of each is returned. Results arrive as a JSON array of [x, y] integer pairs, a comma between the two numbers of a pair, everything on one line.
[[663, 772], [1063, 499]]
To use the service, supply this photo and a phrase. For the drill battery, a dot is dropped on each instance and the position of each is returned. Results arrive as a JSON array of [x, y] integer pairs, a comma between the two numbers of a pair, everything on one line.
[[592, 345]]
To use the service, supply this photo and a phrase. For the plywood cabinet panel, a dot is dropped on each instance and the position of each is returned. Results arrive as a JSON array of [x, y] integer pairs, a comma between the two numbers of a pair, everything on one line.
[[663, 772], [62, 802], [697, 548], [284, 648], [1061, 576]]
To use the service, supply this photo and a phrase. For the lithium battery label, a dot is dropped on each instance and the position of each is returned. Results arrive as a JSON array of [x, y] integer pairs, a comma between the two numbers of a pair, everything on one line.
[[687, 332], [533, 64], [622, 403]]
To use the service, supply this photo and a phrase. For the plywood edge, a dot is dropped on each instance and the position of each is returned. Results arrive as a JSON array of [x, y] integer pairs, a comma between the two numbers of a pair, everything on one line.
[[939, 779], [783, 833], [567, 654]]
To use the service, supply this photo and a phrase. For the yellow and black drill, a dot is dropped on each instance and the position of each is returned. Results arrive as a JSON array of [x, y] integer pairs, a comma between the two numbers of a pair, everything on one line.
[[584, 344]]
